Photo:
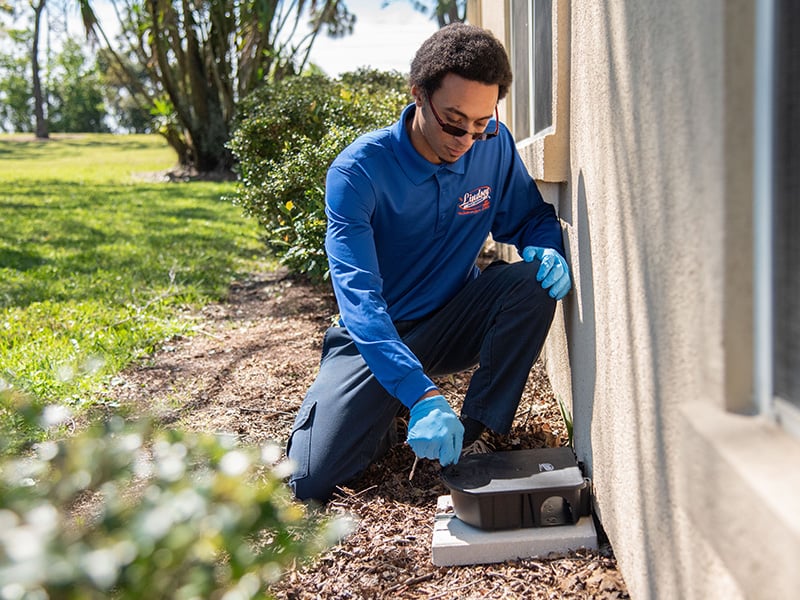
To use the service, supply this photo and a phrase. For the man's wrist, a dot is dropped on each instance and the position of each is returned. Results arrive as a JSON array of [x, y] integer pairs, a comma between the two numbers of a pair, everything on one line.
[[412, 387], [428, 394]]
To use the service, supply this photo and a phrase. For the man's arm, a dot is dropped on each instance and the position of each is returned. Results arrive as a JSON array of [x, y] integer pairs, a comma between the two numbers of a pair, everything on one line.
[[524, 218], [357, 283], [434, 430], [531, 224]]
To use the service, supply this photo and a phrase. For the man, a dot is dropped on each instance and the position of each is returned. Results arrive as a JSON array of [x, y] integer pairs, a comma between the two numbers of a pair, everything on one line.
[[409, 208]]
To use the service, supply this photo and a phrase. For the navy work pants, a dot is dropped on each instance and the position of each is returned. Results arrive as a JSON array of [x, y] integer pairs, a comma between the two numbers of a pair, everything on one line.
[[499, 321]]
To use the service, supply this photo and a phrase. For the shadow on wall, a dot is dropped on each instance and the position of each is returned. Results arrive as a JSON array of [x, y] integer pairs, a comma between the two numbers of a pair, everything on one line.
[[651, 165], [580, 325]]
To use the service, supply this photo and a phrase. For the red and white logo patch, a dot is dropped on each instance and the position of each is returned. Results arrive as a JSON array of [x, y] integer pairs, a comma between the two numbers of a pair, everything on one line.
[[475, 201]]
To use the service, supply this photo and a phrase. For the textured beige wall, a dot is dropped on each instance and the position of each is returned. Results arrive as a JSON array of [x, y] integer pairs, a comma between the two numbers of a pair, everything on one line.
[[645, 216], [654, 344]]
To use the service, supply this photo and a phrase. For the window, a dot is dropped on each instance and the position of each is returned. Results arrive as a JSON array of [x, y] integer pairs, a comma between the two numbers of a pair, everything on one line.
[[521, 64], [786, 236], [777, 173], [539, 99], [532, 61]]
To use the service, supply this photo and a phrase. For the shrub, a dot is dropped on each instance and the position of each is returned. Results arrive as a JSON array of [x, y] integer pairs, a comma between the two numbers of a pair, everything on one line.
[[287, 135], [173, 515]]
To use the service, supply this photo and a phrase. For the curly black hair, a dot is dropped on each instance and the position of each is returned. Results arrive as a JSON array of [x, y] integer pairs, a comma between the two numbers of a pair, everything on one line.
[[465, 50]]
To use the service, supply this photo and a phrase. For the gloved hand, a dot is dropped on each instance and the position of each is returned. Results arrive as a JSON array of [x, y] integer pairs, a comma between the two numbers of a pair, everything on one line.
[[435, 431], [553, 272]]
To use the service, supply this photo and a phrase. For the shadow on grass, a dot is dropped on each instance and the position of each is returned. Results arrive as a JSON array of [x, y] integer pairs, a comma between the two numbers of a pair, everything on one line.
[[28, 147], [20, 260], [75, 242]]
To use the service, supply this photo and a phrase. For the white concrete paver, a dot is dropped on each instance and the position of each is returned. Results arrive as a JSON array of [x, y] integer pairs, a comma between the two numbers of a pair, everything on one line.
[[456, 543]]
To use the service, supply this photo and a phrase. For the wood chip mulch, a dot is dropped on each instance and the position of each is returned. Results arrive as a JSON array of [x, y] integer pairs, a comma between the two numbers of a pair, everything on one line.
[[246, 370]]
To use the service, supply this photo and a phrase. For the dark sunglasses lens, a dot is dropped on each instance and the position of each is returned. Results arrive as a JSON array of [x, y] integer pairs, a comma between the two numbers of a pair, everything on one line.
[[478, 137], [453, 130]]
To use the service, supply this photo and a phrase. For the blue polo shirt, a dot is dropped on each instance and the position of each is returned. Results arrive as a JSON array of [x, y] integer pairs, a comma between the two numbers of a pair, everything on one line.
[[404, 234]]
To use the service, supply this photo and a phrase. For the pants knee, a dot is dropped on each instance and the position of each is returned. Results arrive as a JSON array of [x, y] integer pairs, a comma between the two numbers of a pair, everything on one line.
[[530, 291], [312, 488], [308, 482]]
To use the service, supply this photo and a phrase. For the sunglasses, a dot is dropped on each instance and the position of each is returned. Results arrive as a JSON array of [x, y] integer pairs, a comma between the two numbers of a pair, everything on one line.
[[458, 132]]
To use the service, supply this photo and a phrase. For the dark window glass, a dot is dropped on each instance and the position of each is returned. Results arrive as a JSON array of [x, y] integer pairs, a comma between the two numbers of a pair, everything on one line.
[[543, 65], [786, 249], [520, 62]]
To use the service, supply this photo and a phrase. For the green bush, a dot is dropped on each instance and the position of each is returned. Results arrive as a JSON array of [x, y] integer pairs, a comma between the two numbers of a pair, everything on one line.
[[125, 511], [287, 135]]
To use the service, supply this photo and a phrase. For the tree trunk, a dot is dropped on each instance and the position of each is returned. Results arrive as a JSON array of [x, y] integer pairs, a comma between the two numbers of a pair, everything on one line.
[[209, 144], [38, 95], [202, 58]]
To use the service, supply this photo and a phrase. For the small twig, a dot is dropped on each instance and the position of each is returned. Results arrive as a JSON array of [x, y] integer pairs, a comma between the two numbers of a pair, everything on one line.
[[409, 582], [170, 291], [413, 468], [506, 577], [209, 334], [356, 494], [364, 491], [449, 591], [266, 413]]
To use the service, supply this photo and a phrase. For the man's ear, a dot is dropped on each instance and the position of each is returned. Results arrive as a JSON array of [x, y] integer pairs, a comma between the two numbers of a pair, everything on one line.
[[416, 92]]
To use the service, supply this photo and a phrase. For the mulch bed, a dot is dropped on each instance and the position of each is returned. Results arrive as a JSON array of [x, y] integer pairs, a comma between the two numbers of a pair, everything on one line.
[[246, 370]]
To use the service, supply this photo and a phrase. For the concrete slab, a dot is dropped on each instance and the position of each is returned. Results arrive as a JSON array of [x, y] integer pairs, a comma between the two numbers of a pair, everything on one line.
[[456, 543]]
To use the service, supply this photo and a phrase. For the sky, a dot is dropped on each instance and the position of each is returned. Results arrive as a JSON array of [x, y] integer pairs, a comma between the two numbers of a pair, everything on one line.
[[383, 38]]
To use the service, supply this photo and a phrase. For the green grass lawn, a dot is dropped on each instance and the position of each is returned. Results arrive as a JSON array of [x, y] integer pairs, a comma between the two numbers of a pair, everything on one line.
[[97, 267]]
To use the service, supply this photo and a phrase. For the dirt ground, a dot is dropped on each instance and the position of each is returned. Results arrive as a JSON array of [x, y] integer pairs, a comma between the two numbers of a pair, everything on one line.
[[246, 371]]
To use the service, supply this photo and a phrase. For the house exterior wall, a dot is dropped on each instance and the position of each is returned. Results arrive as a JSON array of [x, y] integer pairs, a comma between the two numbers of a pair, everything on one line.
[[653, 346]]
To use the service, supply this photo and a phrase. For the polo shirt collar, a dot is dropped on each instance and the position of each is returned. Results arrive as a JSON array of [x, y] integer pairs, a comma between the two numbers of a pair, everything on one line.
[[414, 165]]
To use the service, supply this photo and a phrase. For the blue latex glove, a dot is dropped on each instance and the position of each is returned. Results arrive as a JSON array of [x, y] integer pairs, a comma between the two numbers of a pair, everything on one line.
[[435, 431], [553, 272]]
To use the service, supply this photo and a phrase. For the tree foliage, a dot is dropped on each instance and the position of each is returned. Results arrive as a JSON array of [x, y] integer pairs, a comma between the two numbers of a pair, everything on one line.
[[189, 63], [72, 97], [16, 103], [33, 40], [287, 136], [129, 112], [444, 11], [75, 93]]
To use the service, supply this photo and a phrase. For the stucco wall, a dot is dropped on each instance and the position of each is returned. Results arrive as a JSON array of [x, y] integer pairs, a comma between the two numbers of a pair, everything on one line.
[[645, 216], [653, 345]]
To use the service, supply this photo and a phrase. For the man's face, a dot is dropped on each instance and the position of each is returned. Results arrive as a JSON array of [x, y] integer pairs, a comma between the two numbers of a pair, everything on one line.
[[462, 103]]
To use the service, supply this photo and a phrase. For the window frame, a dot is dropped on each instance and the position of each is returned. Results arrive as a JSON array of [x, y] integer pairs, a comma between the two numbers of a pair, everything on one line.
[[546, 152], [772, 81]]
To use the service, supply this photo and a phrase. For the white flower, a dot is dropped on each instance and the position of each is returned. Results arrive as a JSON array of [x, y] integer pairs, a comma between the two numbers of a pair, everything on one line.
[[157, 522], [43, 518], [55, 414], [47, 450], [169, 460], [65, 372], [234, 463], [93, 364], [101, 567], [23, 544], [284, 469], [270, 453]]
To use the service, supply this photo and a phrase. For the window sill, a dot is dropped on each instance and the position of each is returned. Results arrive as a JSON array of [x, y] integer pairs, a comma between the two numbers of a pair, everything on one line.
[[546, 156], [788, 416], [739, 483]]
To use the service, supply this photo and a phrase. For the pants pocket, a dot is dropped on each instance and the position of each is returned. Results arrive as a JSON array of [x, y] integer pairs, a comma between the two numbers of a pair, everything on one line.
[[298, 448]]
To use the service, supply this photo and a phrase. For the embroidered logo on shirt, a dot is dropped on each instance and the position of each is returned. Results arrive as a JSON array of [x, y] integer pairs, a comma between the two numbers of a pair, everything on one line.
[[475, 201]]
